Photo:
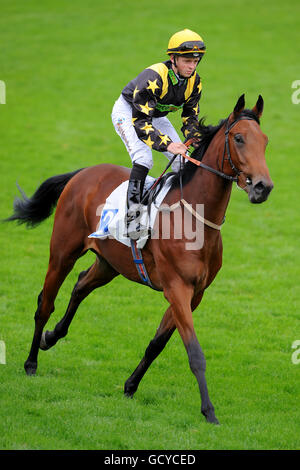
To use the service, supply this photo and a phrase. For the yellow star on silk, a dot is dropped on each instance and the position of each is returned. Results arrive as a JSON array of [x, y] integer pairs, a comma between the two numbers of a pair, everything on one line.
[[135, 91], [152, 85], [147, 128], [133, 119], [164, 139], [185, 120], [196, 109], [149, 142], [199, 87], [145, 108]]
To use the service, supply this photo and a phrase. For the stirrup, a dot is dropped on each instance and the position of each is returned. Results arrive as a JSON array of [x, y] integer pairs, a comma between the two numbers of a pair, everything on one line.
[[134, 230]]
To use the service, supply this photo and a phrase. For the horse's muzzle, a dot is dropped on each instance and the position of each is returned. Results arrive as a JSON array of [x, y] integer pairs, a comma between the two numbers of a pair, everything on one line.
[[260, 191]]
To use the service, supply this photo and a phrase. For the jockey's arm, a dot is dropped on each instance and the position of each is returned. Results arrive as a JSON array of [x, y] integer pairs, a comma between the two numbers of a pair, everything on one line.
[[190, 113], [145, 97]]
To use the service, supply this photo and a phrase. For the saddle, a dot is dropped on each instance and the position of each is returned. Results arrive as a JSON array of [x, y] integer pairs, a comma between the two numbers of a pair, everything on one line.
[[112, 221]]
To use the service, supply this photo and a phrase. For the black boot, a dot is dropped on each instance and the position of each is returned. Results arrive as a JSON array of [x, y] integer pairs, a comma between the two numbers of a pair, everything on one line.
[[134, 196]]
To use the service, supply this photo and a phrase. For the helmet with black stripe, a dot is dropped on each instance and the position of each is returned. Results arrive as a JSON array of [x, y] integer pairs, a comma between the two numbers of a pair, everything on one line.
[[186, 43]]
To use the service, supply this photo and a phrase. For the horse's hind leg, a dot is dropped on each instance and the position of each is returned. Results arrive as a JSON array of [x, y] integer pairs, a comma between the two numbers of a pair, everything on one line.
[[99, 274], [155, 347], [58, 269]]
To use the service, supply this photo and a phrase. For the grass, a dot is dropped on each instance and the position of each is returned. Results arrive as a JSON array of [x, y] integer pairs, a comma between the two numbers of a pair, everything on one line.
[[64, 63]]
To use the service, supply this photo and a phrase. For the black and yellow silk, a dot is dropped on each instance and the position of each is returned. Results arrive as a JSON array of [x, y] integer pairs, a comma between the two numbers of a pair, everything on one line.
[[157, 91]]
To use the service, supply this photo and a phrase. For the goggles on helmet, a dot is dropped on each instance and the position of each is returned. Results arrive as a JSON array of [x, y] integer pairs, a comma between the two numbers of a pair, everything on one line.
[[189, 47]]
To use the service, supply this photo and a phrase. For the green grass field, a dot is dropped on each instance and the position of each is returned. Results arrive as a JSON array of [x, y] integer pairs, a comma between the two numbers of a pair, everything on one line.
[[64, 64]]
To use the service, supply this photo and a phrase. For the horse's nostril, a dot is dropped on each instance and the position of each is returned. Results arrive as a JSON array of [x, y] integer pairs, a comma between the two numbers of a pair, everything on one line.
[[259, 187], [260, 191]]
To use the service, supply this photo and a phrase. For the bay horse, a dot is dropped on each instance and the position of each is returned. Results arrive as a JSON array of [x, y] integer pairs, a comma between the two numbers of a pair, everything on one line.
[[232, 151]]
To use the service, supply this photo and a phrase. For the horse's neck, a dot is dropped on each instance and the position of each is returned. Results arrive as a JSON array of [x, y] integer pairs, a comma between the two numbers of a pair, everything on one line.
[[209, 189]]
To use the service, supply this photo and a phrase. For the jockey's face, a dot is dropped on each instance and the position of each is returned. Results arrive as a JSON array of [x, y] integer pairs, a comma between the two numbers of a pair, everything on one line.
[[185, 66]]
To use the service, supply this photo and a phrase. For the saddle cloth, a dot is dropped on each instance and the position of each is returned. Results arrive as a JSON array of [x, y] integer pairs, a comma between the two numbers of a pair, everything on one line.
[[112, 220]]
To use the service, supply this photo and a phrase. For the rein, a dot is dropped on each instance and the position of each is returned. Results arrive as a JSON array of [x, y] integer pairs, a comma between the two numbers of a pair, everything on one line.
[[212, 170], [226, 150], [203, 165]]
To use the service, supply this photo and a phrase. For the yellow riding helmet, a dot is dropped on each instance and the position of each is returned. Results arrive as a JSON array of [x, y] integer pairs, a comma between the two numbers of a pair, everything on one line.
[[186, 42]]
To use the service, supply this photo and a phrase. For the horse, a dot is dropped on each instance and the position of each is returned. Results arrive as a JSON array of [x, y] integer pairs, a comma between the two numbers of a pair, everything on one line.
[[232, 151]]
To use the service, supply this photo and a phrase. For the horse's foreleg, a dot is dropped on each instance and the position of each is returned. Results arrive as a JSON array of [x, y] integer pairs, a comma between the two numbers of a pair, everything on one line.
[[99, 274], [179, 295], [155, 347], [162, 336]]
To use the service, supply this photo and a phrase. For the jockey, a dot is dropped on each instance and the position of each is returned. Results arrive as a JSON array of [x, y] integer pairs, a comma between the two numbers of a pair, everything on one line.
[[139, 115]]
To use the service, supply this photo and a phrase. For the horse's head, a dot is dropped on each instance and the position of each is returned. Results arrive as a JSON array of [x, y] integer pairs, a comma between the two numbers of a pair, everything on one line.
[[245, 150]]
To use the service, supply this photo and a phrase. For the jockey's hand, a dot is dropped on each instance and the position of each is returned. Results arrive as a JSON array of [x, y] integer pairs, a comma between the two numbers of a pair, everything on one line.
[[177, 148]]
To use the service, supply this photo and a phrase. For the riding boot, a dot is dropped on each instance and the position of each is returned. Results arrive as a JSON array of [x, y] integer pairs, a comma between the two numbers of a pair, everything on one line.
[[134, 196]]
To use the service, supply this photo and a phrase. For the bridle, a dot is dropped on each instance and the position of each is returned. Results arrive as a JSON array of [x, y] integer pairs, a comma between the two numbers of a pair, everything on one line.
[[226, 150]]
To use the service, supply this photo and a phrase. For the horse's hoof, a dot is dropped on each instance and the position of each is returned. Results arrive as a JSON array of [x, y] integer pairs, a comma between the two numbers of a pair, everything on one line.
[[129, 390], [30, 368], [129, 393], [211, 418], [43, 343]]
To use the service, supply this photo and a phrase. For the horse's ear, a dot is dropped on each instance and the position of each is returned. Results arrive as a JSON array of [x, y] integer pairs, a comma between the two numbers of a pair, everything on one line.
[[259, 107], [240, 104]]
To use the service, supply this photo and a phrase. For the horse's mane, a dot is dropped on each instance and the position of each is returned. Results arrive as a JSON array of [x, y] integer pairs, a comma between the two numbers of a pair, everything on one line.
[[207, 133]]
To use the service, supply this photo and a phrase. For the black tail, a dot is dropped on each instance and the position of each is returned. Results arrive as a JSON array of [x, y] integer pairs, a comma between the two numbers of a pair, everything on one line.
[[32, 211]]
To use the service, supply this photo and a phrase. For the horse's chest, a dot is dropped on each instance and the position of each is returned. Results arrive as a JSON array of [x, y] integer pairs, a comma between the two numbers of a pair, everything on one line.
[[209, 263]]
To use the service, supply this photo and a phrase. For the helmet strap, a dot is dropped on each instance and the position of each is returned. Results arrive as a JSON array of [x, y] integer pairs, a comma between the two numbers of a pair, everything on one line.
[[175, 65], [174, 62]]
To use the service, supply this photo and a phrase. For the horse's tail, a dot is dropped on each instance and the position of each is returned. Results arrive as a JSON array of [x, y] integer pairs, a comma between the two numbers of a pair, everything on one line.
[[32, 211]]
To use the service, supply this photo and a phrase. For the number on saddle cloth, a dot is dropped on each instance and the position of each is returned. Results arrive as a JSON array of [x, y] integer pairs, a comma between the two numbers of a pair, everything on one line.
[[106, 218]]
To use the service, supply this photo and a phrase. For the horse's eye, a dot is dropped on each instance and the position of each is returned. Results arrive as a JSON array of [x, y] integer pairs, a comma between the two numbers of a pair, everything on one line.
[[239, 139]]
